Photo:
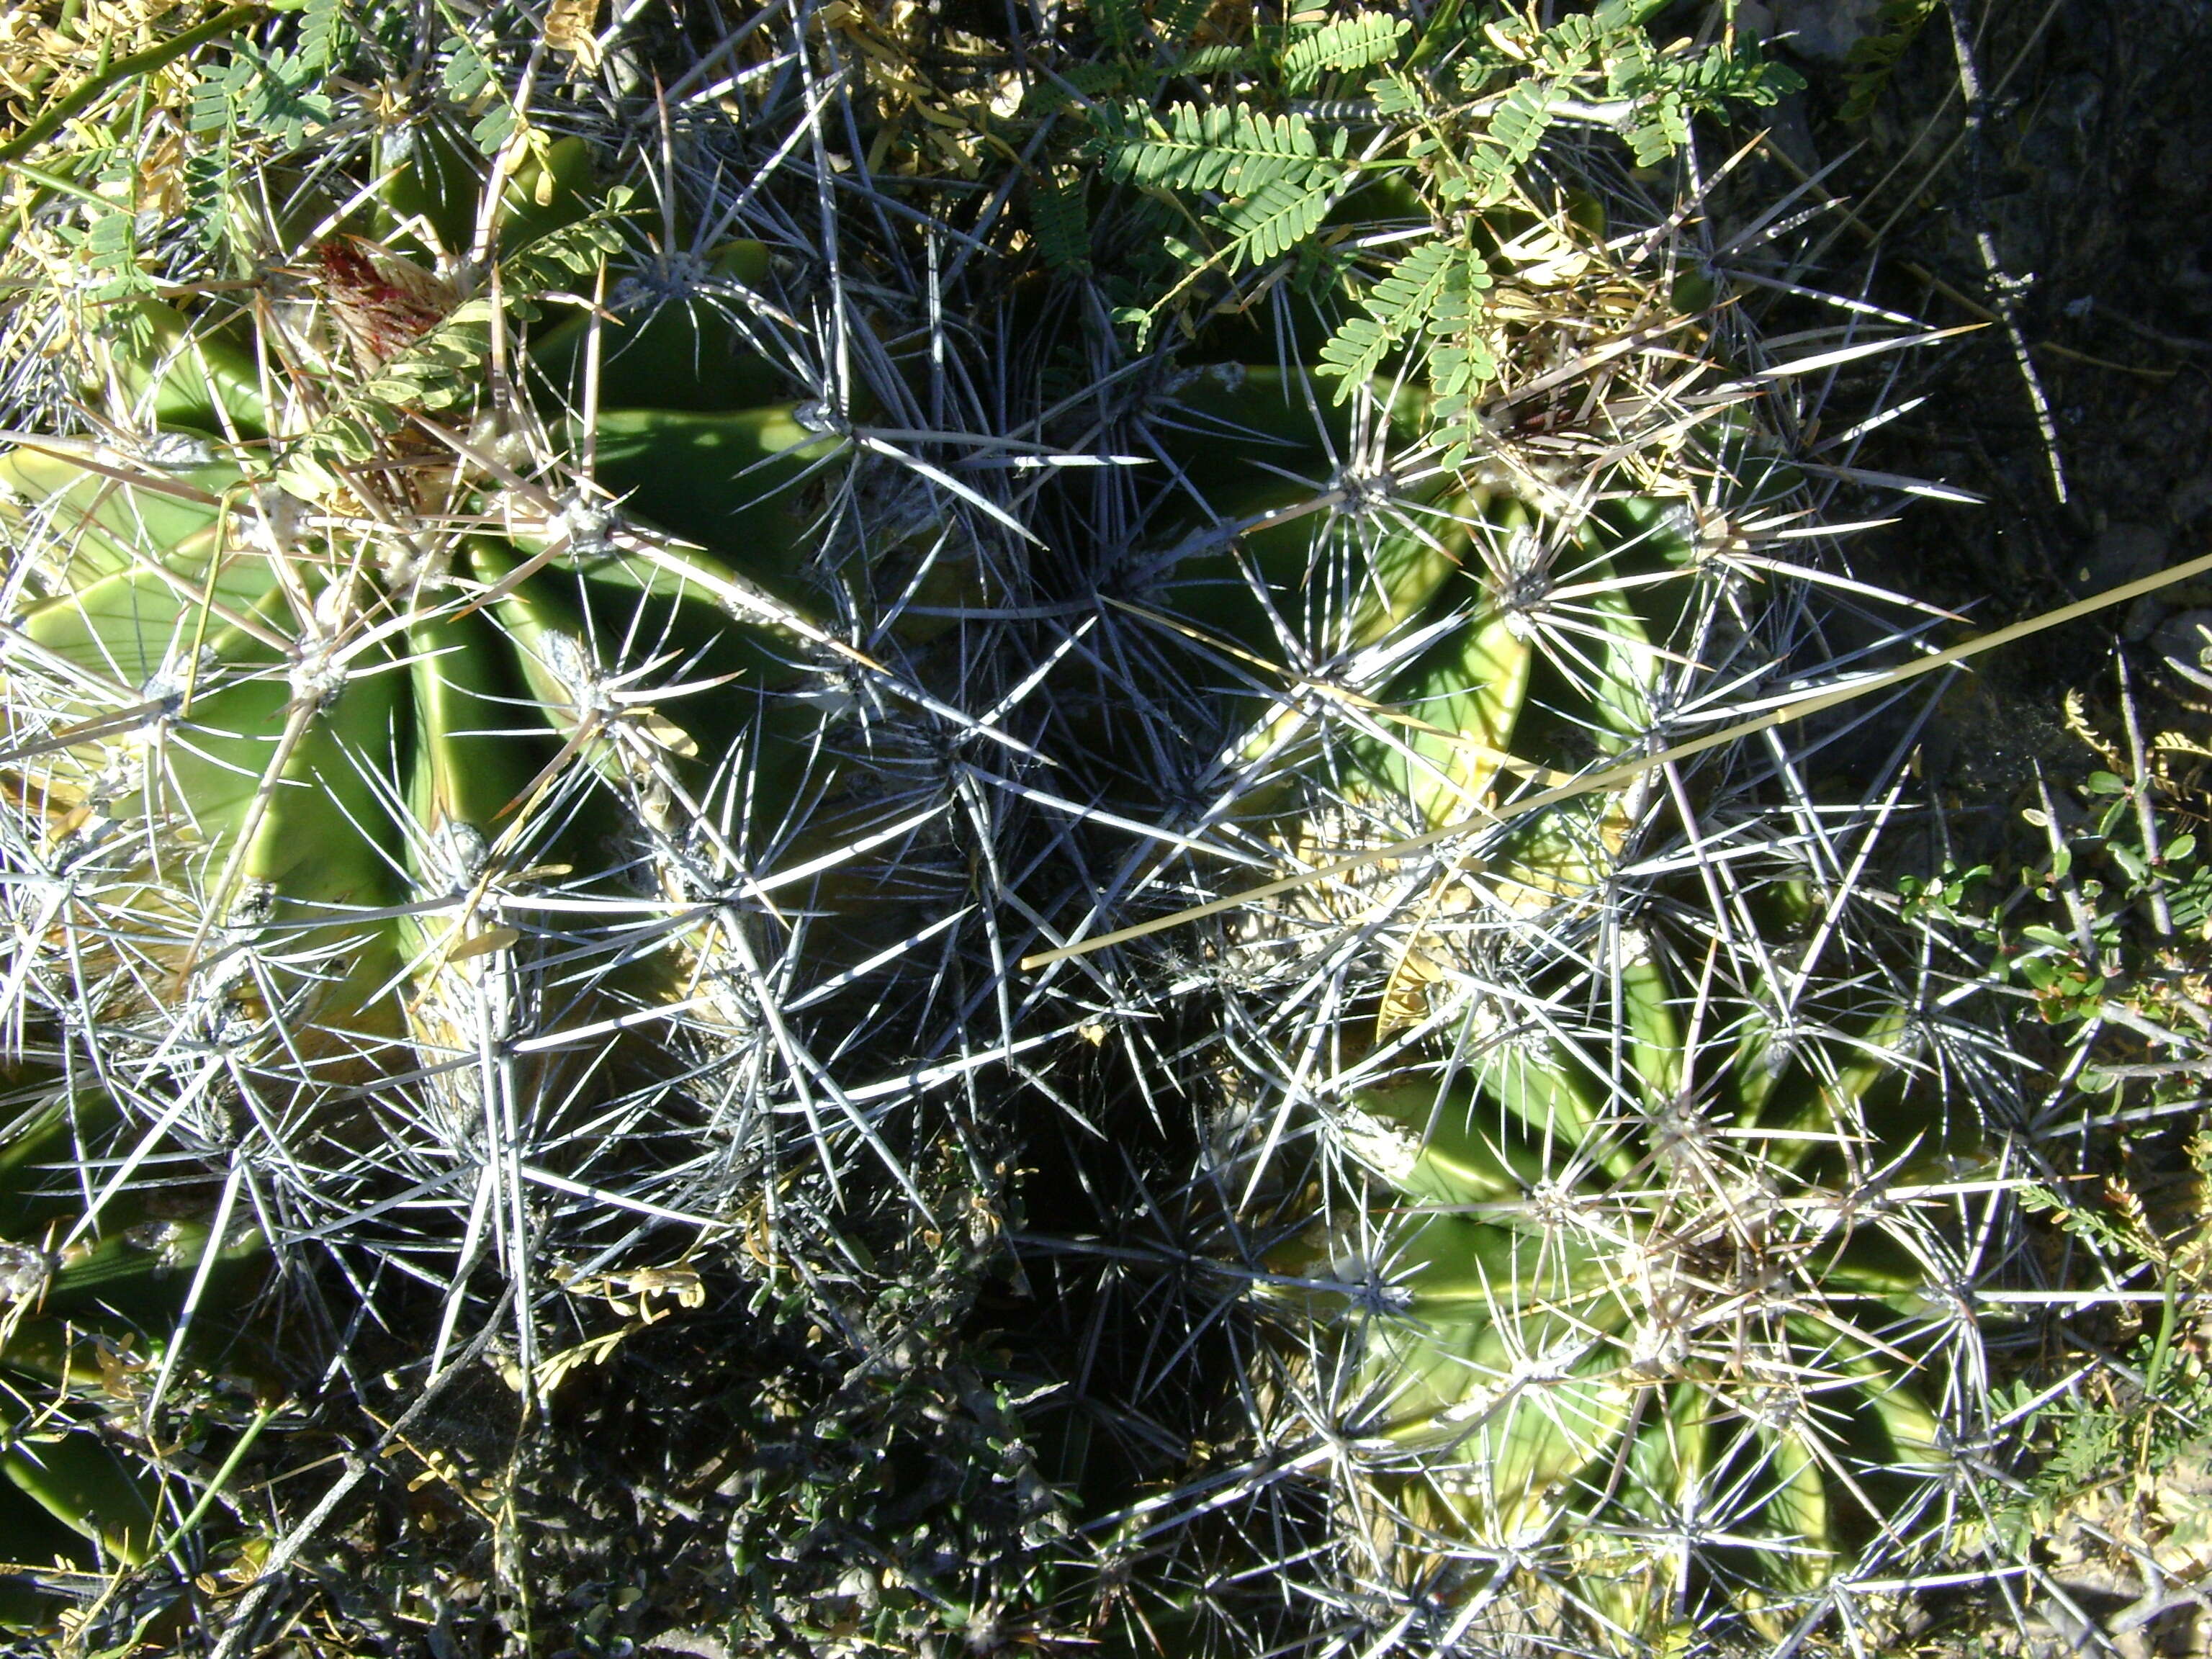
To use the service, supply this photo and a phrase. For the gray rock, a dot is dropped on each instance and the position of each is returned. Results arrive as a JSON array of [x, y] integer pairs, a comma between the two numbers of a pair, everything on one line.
[[2122, 553], [1824, 31], [2190, 499]]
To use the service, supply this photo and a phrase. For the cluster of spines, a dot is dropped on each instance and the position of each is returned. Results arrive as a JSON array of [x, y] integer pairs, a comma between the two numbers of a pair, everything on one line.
[[1281, 991]]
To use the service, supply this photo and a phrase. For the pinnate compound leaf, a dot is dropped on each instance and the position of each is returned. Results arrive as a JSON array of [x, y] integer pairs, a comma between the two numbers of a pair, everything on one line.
[[1271, 223], [567, 252], [1399, 304], [1873, 59], [466, 72], [1231, 150], [1349, 43], [1662, 127], [1396, 94], [1214, 60], [1518, 127], [325, 33], [1060, 221], [1118, 22], [1176, 21]]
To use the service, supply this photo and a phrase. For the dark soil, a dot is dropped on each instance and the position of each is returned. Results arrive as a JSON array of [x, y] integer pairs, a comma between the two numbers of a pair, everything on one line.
[[2070, 196]]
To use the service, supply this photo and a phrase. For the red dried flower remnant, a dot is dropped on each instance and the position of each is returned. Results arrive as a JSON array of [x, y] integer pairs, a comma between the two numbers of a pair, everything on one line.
[[382, 302]]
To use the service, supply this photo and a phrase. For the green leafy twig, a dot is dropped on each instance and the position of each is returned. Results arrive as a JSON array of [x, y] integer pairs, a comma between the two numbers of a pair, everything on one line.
[[1453, 116], [121, 72]]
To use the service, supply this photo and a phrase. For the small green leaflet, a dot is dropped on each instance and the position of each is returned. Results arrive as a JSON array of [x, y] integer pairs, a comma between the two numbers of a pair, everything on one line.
[[1402, 305], [493, 127], [1270, 224], [1235, 150], [1349, 43]]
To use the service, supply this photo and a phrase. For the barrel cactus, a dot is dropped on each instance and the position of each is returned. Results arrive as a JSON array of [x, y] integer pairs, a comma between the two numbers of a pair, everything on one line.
[[1558, 1189], [1595, 1245], [490, 691], [468, 735], [1652, 1293], [87, 1323]]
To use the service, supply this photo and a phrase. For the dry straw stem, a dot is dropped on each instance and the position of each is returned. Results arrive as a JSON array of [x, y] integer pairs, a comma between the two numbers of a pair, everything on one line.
[[1626, 773]]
